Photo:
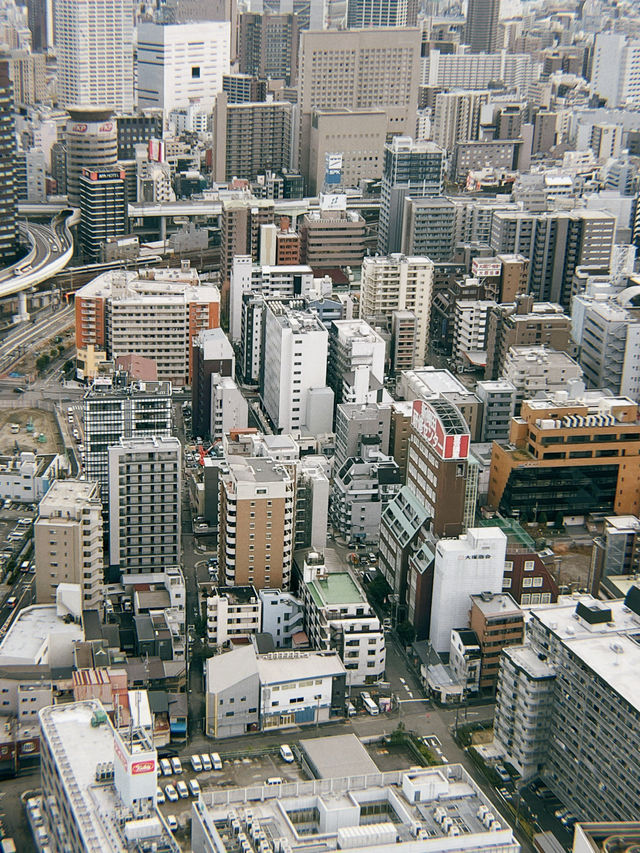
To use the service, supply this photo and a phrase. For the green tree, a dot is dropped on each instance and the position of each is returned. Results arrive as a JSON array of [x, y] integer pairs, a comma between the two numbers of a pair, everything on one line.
[[542, 518], [406, 633], [559, 520], [378, 590], [42, 362]]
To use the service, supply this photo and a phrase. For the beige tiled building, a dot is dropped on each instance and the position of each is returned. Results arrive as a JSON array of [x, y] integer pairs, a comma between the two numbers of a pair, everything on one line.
[[68, 541]]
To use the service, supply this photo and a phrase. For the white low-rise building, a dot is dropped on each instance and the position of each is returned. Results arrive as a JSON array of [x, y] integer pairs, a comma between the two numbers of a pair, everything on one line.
[[429, 810], [338, 616], [282, 616], [25, 477], [233, 613]]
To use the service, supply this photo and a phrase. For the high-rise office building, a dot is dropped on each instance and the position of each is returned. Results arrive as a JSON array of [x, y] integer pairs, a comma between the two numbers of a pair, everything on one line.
[[428, 228], [355, 367], [311, 14], [614, 68], [257, 521], [91, 137], [332, 238], [524, 323], [294, 377], [68, 542], [40, 20], [556, 244], [156, 314], [382, 13], [115, 408], [144, 504], [414, 169], [382, 71], [103, 210], [457, 116], [94, 48], [481, 31], [181, 64], [399, 283], [268, 46], [438, 467], [240, 229], [8, 196], [251, 138]]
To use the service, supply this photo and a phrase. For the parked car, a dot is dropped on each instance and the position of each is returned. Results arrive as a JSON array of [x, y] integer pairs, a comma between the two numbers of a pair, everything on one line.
[[172, 822], [273, 780], [171, 794], [286, 754], [160, 797], [501, 773], [196, 764], [194, 787], [165, 766], [205, 761], [176, 766], [216, 761], [183, 791]]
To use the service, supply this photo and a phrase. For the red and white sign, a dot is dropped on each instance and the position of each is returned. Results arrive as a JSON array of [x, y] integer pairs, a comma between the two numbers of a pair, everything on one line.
[[426, 422], [143, 767], [79, 128]]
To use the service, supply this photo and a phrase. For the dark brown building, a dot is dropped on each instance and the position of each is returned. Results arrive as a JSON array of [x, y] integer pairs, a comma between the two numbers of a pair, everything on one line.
[[498, 622]]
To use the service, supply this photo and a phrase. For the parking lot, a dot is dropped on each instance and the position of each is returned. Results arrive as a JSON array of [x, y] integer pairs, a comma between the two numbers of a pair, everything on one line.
[[236, 772]]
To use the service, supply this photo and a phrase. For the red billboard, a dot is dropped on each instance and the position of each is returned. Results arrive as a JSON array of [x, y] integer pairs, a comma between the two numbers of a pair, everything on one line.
[[426, 421]]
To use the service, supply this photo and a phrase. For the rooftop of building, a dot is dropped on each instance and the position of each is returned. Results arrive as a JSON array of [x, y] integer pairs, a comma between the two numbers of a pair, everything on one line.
[[214, 344], [281, 667], [615, 660], [28, 639], [599, 618], [116, 387], [432, 381], [355, 330], [608, 837], [622, 523], [236, 594], [299, 322], [493, 604], [515, 532], [335, 588], [65, 496], [42, 461], [533, 663], [541, 353], [175, 285], [337, 755], [78, 746], [257, 469], [415, 811]]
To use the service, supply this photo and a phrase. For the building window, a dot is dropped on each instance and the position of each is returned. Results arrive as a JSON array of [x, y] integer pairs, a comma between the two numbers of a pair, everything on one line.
[[195, 72], [529, 565], [506, 583], [526, 599], [527, 582]]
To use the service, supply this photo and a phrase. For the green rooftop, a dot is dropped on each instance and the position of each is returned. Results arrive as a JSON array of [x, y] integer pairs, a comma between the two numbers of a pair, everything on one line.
[[335, 588], [515, 533]]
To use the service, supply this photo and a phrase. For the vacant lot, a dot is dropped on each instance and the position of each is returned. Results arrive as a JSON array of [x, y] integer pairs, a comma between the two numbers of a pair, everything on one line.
[[44, 423]]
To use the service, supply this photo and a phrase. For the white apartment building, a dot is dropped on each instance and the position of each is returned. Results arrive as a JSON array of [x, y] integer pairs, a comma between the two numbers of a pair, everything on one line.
[[98, 786], [283, 281], [229, 409], [470, 327], [457, 116], [338, 617], [233, 613], [399, 283], [94, 49], [294, 392], [433, 809], [181, 64], [282, 616], [477, 70], [471, 564], [153, 313], [568, 704], [618, 81], [68, 542], [144, 504], [609, 337], [537, 368], [355, 367]]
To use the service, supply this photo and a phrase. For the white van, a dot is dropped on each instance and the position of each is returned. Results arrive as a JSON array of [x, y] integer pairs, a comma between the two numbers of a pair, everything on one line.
[[175, 765], [273, 780], [369, 704], [216, 761], [165, 766]]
